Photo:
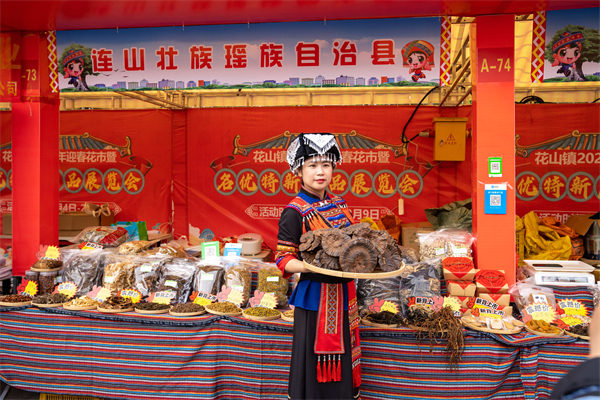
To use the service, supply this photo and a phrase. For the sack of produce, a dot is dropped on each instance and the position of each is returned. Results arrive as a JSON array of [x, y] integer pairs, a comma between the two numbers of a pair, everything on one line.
[[209, 277], [177, 275], [147, 273], [118, 273], [367, 290], [85, 268], [420, 280], [271, 280]]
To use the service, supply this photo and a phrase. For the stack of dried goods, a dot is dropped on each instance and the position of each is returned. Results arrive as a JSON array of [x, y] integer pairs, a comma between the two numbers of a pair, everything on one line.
[[151, 306], [47, 264], [52, 298], [118, 274], [146, 274], [83, 268], [15, 298], [581, 330], [81, 302], [177, 276], [384, 318], [116, 303], [271, 280], [103, 235], [238, 277], [225, 307], [356, 248]]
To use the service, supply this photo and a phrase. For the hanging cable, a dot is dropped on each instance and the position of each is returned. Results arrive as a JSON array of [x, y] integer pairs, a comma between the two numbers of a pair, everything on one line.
[[404, 140]]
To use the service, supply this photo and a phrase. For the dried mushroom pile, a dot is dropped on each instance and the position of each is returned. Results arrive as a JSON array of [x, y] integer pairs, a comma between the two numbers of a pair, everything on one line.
[[356, 248]]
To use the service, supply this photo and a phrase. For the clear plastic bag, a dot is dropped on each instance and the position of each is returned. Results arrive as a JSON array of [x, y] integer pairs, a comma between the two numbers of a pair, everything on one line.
[[118, 273], [85, 268], [147, 273], [432, 244], [526, 293], [408, 255], [133, 247], [104, 235], [459, 243], [420, 280], [177, 275], [209, 277], [239, 277], [270, 280], [367, 290], [173, 249]]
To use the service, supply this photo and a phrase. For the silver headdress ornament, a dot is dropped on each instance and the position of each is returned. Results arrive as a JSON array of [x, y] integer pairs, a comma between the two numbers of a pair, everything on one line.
[[320, 146]]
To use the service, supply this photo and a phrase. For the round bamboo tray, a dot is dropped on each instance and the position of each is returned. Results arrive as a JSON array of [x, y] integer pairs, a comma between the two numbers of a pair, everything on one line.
[[7, 304], [377, 274], [47, 305], [71, 308], [577, 336], [288, 319], [164, 311], [45, 269], [255, 318], [365, 321], [193, 314], [486, 329], [234, 314], [111, 311], [528, 329]]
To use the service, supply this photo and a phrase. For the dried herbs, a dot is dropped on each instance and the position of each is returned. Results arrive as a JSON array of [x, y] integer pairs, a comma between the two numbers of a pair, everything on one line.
[[133, 247], [270, 280], [84, 268], [539, 325], [116, 303], [225, 307], [441, 324], [187, 308], [289, 313], [384, 318], [83, 301], [151, 306], [15, 298], [238, 277], [420, 280], [367, 290], [118, 275], [52, 298], [209, 279], [581, 330], [177, 275], [146, 274], [47, 264], [261, 312]]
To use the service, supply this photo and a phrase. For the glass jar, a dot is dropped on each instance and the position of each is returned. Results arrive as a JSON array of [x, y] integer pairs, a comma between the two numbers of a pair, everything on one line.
[[32, 276], [47, 282]]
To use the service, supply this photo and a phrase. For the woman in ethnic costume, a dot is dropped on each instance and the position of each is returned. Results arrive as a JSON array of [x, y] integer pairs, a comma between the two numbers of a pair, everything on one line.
[[326, 349]]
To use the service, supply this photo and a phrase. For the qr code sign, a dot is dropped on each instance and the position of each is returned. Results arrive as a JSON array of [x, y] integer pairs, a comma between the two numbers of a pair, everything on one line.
[[495, 200], [495, 167]]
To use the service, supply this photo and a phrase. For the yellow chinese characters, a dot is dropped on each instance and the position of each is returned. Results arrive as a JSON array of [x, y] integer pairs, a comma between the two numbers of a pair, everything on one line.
[[111, 181], [579, 186], [527, 187], [269, 182], [406, 186], [338, 183], [291, 183], [247, 183], [226, 183], [92, 182], [74, 181], [383, 184], [131, 182], [553, 185], [360, 185]]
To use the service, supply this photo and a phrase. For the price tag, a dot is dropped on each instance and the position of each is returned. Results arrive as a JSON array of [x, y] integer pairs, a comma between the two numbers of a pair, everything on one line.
[[569, 320], [109, 279], [425, 301], [48, 253], [539, 298], [146, 268], [67, 288], [383, 305], [483, 303], [231, 295], [90, 246], [164, 297], [272, 279], [132, 294], [207, 277], [454, 303], [99, 293], [172, 284], [459, 251], [488, 313], [203, 298], [571, 307], [541, 311], [27, 288], [440, 251], [262, 299]]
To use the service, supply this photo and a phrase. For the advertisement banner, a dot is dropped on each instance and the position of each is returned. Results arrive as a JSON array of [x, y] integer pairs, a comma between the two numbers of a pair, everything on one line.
[[314, 53], [571, 40], [558, 159]]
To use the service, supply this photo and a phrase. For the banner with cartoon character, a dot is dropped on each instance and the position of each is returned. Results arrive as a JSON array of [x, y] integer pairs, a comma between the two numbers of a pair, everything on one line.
[[119, 158], [572, 45], [275, 55]]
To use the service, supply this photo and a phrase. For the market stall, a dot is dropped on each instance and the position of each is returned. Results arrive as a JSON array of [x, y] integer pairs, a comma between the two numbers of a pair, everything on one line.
[[210, 357]]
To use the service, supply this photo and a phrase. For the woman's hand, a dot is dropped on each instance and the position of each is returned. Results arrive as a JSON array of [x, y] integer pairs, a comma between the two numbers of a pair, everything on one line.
[[295, 266]]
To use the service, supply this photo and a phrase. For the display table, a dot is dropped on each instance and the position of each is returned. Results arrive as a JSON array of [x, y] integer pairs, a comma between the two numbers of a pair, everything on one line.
[[130, 356]]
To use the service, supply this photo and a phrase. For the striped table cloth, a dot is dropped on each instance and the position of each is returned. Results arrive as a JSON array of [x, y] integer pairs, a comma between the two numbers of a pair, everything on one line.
[[131, 356]]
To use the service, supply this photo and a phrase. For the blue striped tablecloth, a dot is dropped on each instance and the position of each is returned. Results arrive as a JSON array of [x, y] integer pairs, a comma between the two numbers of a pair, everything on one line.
[[131, 356]]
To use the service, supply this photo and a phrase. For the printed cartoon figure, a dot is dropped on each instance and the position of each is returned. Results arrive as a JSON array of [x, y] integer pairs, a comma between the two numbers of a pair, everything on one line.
[[566, 51], [73, 65], [418, 56]]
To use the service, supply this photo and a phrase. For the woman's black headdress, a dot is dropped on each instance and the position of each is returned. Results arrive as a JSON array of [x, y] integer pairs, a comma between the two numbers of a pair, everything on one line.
[[321, 146]]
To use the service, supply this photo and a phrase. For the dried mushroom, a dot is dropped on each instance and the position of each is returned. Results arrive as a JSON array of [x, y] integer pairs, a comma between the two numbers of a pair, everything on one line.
[[357, 230], [390, 259], [324, 260], [333, 242], [358, 255], [308, 256], [378, 239]]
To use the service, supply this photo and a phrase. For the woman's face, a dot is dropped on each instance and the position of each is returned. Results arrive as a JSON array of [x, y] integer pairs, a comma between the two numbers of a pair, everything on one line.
[[316, 175]]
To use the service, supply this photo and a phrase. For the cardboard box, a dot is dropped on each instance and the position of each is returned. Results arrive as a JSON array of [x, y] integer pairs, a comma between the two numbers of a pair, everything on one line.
[[494, 289], [459, 269], [68, 224], [484, 277], [500, 299], [409, 233], [588, 224], [461, 289]]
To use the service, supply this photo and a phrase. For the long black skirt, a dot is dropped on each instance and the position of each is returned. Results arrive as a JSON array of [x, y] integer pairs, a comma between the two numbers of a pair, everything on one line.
[[303, 370]]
